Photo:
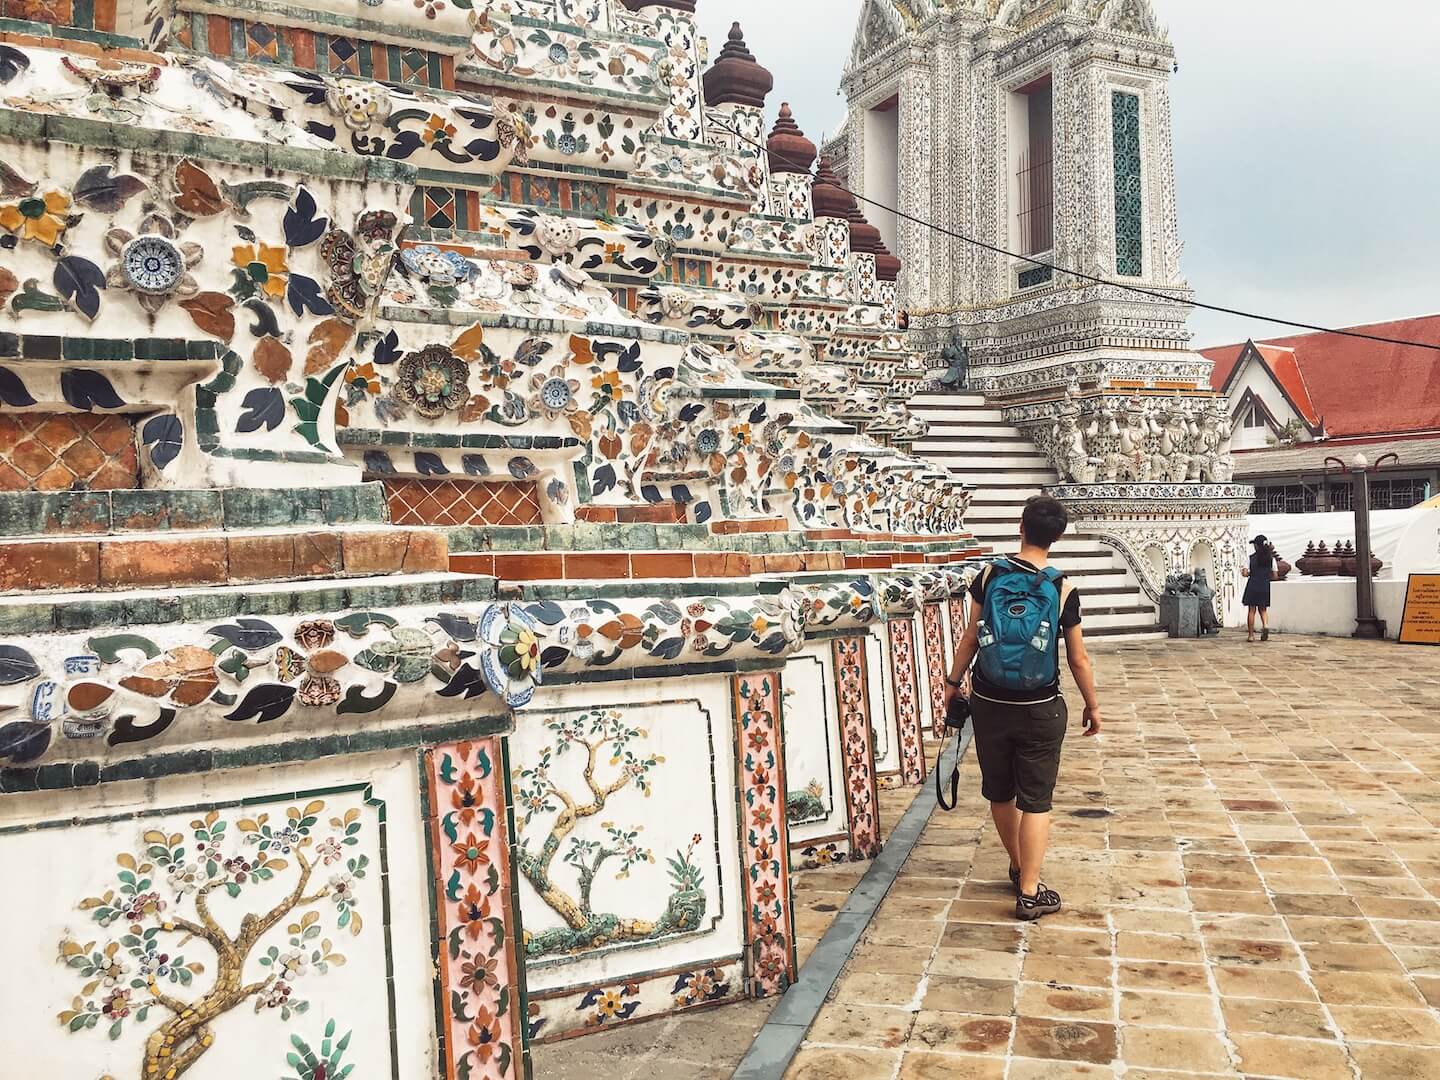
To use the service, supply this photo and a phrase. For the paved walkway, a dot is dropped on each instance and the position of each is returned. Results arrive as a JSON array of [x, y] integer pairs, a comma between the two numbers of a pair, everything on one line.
[[1250, 860]]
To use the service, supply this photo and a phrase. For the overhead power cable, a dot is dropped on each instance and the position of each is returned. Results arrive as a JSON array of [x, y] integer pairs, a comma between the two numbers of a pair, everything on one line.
[[1138, 289]]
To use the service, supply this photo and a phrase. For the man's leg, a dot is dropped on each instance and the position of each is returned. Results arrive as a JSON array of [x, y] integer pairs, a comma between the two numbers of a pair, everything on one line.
[[1036, 770], [1007, 824], [1034, 836]]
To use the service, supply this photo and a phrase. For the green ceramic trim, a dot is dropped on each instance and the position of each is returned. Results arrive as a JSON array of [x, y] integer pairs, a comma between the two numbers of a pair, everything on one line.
[[64, 613], [600, 676], [72, 513], [647, 105], [322, 21], [306, 163], [452, 317], [585, 591], [83, 774], [70, 33]]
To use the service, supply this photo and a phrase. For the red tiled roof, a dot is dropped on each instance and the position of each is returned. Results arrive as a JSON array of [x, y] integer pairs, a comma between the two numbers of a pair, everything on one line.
[[1356, 387]]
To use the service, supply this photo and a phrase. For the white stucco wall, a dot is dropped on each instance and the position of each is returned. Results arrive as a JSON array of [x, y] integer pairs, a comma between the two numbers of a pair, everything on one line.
[[882, 172]]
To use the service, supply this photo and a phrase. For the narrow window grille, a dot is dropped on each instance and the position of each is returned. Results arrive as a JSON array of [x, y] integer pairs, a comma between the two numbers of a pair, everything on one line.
[[1129, 204]]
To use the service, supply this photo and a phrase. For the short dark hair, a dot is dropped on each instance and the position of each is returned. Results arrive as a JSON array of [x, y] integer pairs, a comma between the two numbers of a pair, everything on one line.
[[1044, 521]]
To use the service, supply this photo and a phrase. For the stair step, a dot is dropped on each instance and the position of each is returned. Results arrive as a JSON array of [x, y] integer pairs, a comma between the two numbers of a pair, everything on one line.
[[1140, 619], [980, 412], [987, 495], [1115, 635], [962, 401], [990, 459]]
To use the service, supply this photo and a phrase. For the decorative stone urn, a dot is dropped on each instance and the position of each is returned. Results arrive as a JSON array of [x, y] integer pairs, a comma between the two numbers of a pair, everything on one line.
[[1325, 563]]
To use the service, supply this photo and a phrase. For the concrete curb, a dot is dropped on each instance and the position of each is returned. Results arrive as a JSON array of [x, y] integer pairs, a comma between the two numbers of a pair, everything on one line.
[[779, 1040]]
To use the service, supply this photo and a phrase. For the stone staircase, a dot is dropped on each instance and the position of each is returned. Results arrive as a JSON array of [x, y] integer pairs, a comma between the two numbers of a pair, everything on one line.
[[973, 439]]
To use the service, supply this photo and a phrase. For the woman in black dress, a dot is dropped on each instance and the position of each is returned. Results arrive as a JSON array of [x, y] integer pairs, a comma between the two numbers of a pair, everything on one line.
[[1257, 589]]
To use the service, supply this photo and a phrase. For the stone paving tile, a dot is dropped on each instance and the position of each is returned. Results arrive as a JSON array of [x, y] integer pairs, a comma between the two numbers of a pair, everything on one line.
[[1255, 842], [1250, 860]]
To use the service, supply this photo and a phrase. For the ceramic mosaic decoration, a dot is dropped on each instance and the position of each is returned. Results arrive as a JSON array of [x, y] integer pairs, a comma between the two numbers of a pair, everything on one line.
[[460, 549]]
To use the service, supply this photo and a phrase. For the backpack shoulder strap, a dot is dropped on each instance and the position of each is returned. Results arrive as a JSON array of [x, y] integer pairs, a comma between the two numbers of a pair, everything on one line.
[[1057, 578]]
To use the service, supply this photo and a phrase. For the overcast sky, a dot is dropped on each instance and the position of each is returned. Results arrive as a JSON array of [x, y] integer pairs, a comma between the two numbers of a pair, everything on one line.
[[1307, 143]]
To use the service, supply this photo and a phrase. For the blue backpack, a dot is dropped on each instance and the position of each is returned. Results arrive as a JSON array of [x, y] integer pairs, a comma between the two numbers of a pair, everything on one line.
[[1020, 627]]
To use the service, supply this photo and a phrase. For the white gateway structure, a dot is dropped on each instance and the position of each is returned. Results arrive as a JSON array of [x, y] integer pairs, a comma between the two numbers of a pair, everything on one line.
[[1006, 132]]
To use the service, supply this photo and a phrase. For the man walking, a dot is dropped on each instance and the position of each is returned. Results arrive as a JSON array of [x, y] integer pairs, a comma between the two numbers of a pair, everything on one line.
[[1020, 607]]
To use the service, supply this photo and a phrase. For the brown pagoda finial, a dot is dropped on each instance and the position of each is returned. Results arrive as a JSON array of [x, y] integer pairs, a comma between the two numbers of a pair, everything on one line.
[[830, 199], [790, 151], [736, 78]]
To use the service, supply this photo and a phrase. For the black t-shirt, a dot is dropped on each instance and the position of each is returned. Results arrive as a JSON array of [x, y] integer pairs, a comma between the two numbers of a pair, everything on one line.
[[1069, 617]]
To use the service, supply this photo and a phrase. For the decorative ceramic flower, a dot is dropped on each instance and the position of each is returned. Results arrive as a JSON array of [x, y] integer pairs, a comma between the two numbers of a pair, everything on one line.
[[264, 265], [519, 651], [360, 104], [41, 218], [359, 265], [434, 381], [406, 657], [609, 385], [437, 131], [556, 235], [553, 394], [152, 265], [318, 684], [519, 275], [436, 267]]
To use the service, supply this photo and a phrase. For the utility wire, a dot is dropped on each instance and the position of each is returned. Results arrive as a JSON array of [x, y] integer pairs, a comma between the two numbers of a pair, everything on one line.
[[1140, 290]]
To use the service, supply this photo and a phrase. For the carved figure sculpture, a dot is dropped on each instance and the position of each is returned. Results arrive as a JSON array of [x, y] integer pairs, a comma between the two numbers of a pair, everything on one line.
[[1209, 620], [957, 356], [1072, 458], [1175, 432], [1134, 437]]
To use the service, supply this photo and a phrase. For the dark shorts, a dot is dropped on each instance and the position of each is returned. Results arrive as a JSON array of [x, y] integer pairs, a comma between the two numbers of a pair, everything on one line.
[[1019, 751]]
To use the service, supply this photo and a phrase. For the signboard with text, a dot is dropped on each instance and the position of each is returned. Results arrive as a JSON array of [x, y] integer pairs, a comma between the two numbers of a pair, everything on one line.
[[1421, 624]]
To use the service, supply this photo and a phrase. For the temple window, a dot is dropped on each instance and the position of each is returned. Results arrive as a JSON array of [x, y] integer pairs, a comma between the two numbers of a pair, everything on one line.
[[1129, 203], [1032, 141], [882, 168]]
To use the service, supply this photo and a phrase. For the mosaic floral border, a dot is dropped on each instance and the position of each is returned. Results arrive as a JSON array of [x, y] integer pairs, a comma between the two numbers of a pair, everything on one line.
[[476, 916], [764, 835], [906, 690], [861, 796], [956, 606], [935, 665]]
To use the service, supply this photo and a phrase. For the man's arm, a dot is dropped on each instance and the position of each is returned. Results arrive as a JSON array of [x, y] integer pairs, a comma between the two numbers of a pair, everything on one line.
[[1084, 673], [964, 654]]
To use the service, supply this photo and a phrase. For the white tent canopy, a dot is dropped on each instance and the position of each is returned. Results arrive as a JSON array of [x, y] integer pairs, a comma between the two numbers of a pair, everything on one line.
[[1408, 541]]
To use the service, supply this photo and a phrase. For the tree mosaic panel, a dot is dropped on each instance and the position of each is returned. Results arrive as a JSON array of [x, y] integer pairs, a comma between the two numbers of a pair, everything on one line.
[[809, 743], [250, 935], [814, 760], [599, 868]]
